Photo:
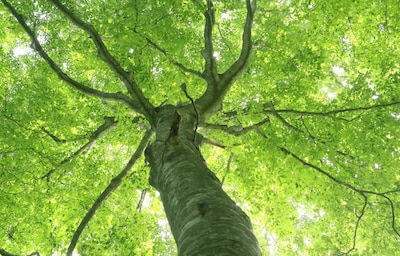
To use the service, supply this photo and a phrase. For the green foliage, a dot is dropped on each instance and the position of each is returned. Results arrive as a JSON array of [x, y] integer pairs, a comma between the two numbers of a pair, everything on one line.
[[310, 59]]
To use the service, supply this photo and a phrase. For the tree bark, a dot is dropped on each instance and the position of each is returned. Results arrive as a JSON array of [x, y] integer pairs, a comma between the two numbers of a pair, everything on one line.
[[203, 219]]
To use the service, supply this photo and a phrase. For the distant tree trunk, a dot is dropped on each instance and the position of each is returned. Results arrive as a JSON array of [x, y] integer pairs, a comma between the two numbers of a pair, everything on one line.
[[202, 217]]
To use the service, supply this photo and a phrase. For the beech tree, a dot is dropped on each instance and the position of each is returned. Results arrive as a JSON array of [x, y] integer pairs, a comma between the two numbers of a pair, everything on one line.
[[120, 115]]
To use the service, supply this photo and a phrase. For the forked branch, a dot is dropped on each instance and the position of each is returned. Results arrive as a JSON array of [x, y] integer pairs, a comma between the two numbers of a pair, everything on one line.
[[63, 76], [143, 106], [241, 64], [361, 192], [219, 84], [238, 130]]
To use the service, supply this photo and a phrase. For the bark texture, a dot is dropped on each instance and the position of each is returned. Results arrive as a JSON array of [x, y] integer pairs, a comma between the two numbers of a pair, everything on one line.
[[202, 217]]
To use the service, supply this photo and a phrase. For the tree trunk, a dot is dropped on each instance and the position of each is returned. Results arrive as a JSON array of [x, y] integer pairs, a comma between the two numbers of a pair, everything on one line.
[[202, 217]]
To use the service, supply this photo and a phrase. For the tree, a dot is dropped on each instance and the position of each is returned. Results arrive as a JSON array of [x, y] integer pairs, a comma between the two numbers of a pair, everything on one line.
[[295, 109]]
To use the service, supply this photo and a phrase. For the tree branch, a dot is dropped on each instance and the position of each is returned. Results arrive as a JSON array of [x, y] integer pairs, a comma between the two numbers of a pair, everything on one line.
[[359, 217], [54, 137], [179, 65], [218, 85], [109, 123], [228, 167], [361, 192], [141, 200], [241, 64], [236, 130], [310, 136], [212, 142], [5, 253], [63, 76], [269, 108], [115, 182], [210, 69], [127, 78], [393, 215], [332, 112]]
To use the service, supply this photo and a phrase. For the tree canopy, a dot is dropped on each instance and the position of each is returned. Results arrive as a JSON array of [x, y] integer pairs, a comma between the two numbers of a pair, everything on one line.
[[306, 141]]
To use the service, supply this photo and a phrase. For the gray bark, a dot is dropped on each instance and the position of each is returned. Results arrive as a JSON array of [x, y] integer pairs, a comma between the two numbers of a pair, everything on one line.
[[202, 217]]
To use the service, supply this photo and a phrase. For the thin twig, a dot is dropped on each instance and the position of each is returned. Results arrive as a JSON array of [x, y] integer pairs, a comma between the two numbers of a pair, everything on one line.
[[141, 200], [359, 217], [179, 65], [54, 137], [236, 130], [332, 112], [109, 123], [184, 89], [228, 167]]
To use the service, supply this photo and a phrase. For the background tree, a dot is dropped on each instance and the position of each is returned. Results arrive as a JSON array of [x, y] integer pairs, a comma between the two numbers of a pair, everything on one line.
[[305, 142]]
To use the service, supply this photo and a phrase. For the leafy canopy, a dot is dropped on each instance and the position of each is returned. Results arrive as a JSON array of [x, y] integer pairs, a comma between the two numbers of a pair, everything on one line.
[[307, 141]]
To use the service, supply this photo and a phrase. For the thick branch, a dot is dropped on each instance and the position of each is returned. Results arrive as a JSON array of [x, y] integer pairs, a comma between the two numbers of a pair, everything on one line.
[[241, 64], [210, 70], [228, 167], [127, 78], [5, 253], [218, 85], [115, 182], [63, 76]]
